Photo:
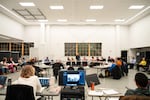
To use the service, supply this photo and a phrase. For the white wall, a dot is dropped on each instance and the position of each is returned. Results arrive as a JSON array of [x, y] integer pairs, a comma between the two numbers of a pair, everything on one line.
[[56, 36], [140, 33], [10, 27]]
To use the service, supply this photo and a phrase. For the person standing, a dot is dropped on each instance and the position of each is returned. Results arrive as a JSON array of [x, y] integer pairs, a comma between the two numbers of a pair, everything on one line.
[[132, 63]]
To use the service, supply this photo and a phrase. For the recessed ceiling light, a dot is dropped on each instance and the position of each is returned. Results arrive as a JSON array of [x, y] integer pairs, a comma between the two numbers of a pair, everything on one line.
[[96, 7], [90, 20], [27, 4], [119, 20], [62, 20], [136, 7], [43, 20], [56, 7]]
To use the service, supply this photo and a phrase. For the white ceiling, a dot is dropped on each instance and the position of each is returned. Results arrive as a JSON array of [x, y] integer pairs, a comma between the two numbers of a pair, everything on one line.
[[76, 11]]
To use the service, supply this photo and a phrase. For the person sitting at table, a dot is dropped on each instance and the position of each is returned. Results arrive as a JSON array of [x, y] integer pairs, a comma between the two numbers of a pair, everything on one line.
[[84, 61], [73, 61], [68, 62], [46, 61], [142, 64], [27, 77], [109, 71], [7, 66], [10, 61], [141, 81]]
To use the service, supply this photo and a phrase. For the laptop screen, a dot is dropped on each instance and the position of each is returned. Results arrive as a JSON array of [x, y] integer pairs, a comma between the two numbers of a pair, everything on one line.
[[44, 81], [3, 80]]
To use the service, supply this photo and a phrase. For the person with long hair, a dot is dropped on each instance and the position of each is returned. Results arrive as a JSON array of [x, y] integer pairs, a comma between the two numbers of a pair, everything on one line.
[[27, 77]]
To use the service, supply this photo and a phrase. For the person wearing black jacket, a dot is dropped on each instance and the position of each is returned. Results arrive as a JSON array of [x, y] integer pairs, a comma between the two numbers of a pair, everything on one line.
[[56, 68]]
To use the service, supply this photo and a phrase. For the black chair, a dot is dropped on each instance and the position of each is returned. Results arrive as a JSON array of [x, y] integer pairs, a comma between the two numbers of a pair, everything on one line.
[[80, 68], [92, 78], [70, 68], [19, 92]]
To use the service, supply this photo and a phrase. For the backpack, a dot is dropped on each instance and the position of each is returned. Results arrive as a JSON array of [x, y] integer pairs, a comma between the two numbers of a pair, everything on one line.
[[116, 73]]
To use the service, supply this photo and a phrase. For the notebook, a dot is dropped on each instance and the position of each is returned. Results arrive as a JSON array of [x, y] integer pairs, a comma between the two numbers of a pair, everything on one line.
[[3, 80], [44, 81]]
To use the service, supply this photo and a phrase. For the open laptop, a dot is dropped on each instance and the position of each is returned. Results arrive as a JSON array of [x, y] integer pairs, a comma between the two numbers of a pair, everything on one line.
[[3, 80], [44, 81]]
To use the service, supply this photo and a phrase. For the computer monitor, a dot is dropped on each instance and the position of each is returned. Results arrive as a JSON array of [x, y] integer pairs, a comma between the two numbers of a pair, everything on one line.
[[44, 81], [72, 78]]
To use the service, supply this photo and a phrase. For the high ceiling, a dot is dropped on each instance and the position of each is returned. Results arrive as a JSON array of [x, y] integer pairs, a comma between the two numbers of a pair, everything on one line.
[[76, 11]]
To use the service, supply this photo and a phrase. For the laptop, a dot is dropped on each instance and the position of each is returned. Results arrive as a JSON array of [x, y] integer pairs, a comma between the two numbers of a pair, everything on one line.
[[3, 80], [44, 81]]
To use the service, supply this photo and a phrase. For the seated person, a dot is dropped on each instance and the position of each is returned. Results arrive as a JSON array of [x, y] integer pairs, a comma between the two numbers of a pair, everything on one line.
[[10, 61], [109, 71], [46, 61], [142, 64], [73, 61], [27, 77], [141, 81], [68, 62]]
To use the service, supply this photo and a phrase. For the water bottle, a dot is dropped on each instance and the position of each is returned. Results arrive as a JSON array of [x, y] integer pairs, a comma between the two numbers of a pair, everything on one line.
[[9, 82]]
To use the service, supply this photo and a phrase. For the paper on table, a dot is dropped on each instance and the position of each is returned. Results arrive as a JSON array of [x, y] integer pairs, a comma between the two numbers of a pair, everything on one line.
[[111, 91], [96, 93]]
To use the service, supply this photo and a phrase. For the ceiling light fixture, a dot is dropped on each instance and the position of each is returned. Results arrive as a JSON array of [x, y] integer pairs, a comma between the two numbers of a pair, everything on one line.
[[43, 20], [136, 7], [62, 20], [96, 7], [90, 20], [27, 4], [56, 7]]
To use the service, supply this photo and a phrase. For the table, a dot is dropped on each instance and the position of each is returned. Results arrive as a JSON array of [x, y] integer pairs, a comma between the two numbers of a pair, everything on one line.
[[45, 92], [45, 67], [106, 94], [101, 67]]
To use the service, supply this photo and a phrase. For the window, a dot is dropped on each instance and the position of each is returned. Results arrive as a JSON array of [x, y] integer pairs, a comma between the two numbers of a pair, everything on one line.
[[22, 48], [4, 46], [84, 49], [70, 49]]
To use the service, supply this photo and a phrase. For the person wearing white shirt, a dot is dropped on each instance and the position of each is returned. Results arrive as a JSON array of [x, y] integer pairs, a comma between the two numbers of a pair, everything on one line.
[[27, 77], [132, 62]]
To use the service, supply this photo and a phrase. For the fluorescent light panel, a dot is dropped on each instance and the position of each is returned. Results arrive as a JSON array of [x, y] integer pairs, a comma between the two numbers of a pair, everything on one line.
[[27, 4], [56, 7], [136, 7], [43, 20], [90, 20], [96, 7], [62, 20]]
